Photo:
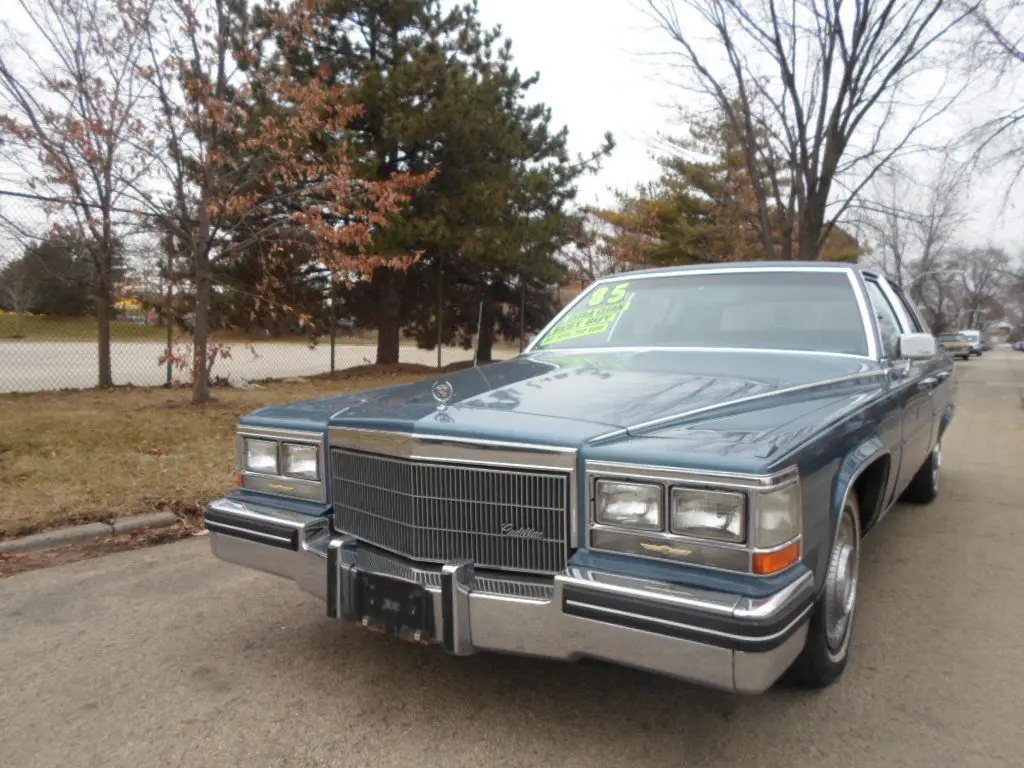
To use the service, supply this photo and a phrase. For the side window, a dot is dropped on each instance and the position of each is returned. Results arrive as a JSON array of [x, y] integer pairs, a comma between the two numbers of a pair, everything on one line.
[[888, 323], [915, 316]]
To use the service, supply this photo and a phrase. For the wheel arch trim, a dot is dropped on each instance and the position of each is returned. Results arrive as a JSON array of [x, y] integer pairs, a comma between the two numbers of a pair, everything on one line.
[[856, 463]]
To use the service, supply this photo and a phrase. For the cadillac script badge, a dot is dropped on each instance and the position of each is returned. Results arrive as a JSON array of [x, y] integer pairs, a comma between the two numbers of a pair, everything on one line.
[[442, 392]]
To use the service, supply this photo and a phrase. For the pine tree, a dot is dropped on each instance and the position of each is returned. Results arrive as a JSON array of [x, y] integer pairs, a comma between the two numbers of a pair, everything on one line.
[[440, 93]]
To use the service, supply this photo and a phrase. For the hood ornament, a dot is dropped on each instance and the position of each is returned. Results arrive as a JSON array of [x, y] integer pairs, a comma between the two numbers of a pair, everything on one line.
[[442, 392]]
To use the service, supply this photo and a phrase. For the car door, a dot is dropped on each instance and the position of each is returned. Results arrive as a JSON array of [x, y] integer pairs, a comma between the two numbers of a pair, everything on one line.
[[912, 382], [942, 368]]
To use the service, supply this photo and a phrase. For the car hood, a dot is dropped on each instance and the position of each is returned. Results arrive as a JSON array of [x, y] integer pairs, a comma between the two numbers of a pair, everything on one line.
[[566, 399]]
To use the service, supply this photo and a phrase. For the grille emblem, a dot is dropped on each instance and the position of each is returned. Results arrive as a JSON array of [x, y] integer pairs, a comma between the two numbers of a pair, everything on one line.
[[509, 529]]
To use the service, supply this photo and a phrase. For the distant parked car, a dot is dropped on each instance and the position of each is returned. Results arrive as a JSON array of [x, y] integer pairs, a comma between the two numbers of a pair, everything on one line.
[[956, 344], [974, 337], [1019, 346]]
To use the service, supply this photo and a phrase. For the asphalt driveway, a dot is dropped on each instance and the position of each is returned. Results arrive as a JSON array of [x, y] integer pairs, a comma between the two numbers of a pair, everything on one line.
[[166, 657]]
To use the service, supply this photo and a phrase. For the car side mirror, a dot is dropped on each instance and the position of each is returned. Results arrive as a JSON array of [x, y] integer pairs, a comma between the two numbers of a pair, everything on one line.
[[917, 346]]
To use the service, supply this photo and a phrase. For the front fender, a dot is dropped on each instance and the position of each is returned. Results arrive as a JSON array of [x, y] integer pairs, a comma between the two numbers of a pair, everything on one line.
[[851, 467], [855, 462]]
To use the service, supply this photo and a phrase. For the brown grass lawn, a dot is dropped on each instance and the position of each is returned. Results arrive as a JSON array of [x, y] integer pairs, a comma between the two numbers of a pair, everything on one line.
[[94, 455]]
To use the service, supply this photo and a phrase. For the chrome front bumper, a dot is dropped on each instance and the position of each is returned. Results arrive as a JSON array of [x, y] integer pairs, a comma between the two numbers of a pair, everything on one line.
[[715, 639]]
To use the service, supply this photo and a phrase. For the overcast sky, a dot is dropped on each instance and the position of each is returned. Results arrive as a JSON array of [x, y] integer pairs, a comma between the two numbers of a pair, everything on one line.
[[600, 72]]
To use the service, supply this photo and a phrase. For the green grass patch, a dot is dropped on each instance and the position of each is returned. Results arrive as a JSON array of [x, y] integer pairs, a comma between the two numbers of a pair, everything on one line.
[[49, 328]]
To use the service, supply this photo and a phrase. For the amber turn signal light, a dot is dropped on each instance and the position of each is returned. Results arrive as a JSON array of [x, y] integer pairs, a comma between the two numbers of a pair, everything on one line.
[[773, 562]]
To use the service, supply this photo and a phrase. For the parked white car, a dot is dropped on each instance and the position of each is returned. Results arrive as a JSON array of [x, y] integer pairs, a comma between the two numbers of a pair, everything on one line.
[[976, 341]]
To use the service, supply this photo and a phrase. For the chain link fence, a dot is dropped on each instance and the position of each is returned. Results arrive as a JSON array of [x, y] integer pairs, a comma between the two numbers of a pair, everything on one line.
[[49, 330]]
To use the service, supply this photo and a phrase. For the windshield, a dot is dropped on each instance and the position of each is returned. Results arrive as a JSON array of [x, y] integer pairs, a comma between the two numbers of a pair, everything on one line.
[[952, 337], [811, 311]]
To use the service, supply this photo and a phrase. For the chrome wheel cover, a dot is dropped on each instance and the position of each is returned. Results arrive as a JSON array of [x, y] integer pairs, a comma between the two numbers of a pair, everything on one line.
[[841, 584]]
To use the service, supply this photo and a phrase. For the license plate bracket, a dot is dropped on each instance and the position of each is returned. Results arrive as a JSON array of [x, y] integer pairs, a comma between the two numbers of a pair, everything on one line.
[[395, 607]]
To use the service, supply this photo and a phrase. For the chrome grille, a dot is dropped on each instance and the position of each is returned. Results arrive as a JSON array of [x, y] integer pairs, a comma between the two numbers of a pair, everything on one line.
[[435, 512]]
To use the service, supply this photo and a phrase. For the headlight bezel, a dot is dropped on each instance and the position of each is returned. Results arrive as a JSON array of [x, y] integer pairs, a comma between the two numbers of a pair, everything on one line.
[[733, 556], [279, 483]]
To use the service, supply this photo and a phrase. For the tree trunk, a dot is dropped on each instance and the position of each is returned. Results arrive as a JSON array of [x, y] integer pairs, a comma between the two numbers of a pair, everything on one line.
[[200, 337], [485, 342], [103, 292], [812, 222], [200, 342], [389, 320]]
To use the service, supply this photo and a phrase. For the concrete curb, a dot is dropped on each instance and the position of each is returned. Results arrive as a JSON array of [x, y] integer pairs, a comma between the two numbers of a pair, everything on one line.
[[88, 532]]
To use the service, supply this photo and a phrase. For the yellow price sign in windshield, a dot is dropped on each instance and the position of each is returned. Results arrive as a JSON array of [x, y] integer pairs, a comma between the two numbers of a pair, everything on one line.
[[603, 311], [613, 295]]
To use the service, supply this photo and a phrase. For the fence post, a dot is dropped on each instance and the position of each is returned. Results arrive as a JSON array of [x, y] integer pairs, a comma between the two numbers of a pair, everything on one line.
[[440, 306], [334, 321], [169, 310]]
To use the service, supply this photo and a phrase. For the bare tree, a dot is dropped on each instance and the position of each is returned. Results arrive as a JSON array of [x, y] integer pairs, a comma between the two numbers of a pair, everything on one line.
[[18, 288], [914, 222], [69, 94], [890, 223], [983, 282], [590, 257], [999, 47], [818, 92]]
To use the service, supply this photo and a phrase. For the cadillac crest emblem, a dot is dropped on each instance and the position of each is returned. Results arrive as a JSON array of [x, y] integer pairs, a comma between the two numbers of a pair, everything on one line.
[[442, 392]]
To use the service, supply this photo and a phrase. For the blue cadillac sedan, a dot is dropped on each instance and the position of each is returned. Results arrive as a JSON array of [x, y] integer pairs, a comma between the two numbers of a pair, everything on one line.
[[675, 475]]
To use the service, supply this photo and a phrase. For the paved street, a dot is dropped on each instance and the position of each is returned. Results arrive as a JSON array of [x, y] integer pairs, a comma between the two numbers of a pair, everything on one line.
[[35, 366], [165, 657]]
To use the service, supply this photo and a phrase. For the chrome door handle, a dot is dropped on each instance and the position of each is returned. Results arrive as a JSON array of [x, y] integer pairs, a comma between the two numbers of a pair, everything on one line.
[[942, 375], [928, 383]]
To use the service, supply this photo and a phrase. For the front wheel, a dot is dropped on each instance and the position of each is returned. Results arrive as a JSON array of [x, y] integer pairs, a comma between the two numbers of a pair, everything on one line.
[[827, 648], [924, 488]]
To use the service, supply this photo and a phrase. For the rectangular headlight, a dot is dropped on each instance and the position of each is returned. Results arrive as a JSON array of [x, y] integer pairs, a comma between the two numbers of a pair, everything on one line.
[[779, 517], [301, 461], [718, 515], [261, 456], [629, 505]]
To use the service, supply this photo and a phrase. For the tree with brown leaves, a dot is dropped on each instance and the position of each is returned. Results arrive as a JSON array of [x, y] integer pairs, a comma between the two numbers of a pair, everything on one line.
[[250, 155]]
